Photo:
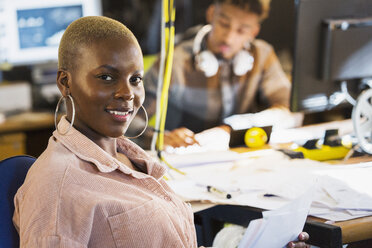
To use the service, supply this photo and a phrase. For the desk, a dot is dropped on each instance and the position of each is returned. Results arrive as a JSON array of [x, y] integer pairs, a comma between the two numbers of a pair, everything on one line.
[[25, 133], [352, 230], [209, 217]]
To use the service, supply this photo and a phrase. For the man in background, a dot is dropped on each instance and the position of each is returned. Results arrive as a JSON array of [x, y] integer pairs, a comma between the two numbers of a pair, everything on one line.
[[222, 72]]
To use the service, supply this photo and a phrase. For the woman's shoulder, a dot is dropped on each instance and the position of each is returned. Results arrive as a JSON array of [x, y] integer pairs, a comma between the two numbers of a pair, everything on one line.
[[55, 157], [50, 168]]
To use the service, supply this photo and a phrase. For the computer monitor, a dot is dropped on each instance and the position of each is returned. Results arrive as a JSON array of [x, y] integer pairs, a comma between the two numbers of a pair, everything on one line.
[[30, 30], [332, 54]]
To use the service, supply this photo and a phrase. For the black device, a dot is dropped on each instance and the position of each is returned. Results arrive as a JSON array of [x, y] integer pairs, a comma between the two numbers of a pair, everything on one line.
[[333, 53]]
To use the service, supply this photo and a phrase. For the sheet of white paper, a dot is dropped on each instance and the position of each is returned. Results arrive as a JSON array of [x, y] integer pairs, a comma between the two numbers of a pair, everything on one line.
[[276, 117], [351, 187], [205, 157], [345, 196], [200, 158], [278, 226], [252, 233], [302, 134], [336, 215]]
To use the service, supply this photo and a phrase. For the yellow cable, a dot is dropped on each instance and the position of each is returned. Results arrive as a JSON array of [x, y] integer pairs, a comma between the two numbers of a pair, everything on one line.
[[169, 34], [167, 76], [171, 167], [166, 19]]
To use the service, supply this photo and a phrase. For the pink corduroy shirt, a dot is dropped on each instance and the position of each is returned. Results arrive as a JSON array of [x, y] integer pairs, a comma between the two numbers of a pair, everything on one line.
[[77, 195]]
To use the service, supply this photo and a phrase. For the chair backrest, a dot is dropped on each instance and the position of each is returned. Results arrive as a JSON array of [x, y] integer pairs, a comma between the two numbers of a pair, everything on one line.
[[13, 171]]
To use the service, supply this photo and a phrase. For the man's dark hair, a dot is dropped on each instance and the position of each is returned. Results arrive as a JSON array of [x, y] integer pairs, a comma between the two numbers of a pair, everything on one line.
[[259, 7]]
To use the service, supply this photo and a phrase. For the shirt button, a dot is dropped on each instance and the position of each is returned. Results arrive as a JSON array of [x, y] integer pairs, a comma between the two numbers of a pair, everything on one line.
[[167, 198]]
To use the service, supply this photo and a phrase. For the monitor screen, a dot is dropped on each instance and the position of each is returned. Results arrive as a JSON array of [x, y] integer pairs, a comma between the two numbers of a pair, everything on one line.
[[31, 29], [333, 52]]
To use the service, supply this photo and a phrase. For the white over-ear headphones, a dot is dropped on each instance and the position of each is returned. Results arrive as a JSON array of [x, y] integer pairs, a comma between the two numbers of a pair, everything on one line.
[[208, 63]]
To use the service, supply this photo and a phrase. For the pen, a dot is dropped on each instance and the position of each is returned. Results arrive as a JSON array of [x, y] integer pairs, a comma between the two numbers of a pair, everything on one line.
[[218, 192], [269, 195]]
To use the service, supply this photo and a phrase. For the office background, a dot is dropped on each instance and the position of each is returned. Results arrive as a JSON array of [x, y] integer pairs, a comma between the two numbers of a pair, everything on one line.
[[143, 18]]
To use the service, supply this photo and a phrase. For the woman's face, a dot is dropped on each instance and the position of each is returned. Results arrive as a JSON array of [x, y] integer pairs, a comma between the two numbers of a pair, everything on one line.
[[107, 87]]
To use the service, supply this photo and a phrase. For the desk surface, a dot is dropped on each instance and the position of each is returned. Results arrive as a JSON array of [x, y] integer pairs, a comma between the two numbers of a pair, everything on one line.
[[27, 121], [35, 128], [352, 230]]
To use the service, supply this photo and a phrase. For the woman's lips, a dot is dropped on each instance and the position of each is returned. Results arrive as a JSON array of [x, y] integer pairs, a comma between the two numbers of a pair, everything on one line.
[[121, 116]]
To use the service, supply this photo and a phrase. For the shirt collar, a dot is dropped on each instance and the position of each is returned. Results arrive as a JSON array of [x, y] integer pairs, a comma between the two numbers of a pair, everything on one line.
[[89, 151]]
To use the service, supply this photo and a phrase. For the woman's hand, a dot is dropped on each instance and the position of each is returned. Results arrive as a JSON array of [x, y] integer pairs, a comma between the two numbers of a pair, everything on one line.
[[302, 238]]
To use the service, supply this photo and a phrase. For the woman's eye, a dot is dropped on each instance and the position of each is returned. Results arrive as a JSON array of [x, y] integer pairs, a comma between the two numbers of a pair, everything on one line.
[[106, 77], [135, 80]]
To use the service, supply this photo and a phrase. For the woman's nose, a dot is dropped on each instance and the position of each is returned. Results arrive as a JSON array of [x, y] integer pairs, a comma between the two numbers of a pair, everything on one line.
[[125, 92]]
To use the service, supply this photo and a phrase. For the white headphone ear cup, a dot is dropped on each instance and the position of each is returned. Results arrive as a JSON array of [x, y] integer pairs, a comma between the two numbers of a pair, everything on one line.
[[242, 63], [207, 62]]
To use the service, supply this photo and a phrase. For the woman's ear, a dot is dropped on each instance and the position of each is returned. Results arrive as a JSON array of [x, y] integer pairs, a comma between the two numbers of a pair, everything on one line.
[[210, 13], [63, 82]]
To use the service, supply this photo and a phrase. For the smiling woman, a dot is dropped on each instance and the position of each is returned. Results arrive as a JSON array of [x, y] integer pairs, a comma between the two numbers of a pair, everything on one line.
[[92, 187], [107, 85]]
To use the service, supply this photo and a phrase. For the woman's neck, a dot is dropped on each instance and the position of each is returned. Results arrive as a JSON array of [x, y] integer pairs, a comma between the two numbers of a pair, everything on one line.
[[108, 144]]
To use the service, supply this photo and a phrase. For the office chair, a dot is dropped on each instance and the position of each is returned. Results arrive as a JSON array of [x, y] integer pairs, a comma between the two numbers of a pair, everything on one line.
[[13, 171]]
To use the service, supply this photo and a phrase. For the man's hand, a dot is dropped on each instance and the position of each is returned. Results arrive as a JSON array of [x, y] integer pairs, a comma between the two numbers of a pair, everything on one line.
[[303, 237], [179, 137], [183, 137]]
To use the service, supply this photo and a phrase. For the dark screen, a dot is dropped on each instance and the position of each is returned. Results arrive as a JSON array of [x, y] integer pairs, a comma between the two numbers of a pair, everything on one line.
[[326, 55]]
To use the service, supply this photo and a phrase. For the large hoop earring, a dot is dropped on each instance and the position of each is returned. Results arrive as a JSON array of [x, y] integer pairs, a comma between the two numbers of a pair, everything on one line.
[[147, 122], [56, 113]]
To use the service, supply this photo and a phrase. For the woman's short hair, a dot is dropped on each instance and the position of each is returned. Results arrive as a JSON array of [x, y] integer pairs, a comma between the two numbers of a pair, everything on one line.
[[259, 7], [85, 31]]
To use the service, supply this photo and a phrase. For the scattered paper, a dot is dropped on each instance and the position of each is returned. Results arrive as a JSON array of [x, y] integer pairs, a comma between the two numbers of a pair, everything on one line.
[[278, 227], [342, 192]]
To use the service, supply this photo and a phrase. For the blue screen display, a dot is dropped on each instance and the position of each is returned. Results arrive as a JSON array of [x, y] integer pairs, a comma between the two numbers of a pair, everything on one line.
[[43, 27]]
